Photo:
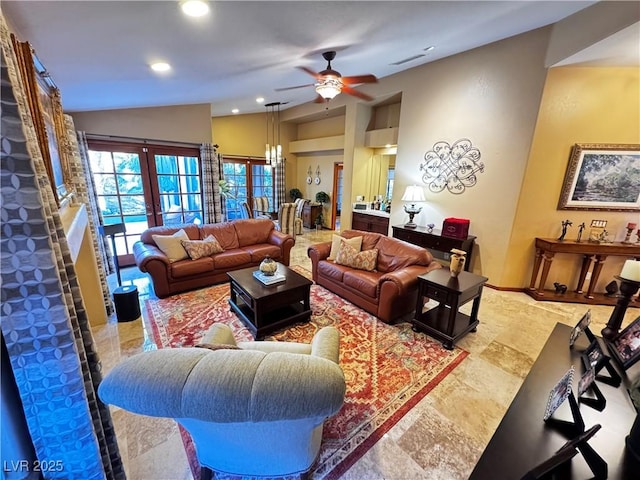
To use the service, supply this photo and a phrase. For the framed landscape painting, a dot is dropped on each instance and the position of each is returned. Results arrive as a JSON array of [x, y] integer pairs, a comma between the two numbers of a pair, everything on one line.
[[602, 177]]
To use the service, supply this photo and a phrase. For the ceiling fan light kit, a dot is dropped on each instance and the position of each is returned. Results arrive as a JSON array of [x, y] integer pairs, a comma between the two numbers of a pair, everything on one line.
[[329, 88]]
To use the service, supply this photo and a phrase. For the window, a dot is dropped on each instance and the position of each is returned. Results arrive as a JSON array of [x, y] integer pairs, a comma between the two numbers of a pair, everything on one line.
[[249, 178]]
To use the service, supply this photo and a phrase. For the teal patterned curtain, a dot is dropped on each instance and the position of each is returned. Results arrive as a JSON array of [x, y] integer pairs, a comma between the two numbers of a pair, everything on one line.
[[43, 319]]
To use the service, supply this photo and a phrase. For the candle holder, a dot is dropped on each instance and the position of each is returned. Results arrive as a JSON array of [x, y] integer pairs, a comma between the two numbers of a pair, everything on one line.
[[627, 238], [627, 289]]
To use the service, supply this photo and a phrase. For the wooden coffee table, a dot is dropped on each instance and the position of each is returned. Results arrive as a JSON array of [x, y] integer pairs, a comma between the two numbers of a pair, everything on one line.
[[264, 309]]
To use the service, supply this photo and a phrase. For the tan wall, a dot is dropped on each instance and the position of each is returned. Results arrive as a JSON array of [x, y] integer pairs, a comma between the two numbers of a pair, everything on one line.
[[181, 123], [326, 127], [490, 96], [579, 105]]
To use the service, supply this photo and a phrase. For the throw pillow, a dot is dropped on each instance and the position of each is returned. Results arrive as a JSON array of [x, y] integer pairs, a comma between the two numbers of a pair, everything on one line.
[[202, 248], [171, 245], [355, 242], [350, 257]]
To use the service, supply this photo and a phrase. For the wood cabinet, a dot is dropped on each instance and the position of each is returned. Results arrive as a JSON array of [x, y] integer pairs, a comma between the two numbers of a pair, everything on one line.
[[370, 223], [438, 245], [310, 212]]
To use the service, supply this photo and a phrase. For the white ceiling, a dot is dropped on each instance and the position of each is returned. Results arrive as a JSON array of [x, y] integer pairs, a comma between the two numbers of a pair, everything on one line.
[[98, 52]]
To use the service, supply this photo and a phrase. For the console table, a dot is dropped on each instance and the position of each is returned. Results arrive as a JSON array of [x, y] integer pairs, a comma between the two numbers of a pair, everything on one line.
[[310, 212], [439, 245], [546, 248], [523, 440]]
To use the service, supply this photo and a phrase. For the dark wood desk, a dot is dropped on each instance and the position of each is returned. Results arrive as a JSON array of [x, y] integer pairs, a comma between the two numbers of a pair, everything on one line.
[[437, 244], [523, 439], [546, 248], [445, 322]]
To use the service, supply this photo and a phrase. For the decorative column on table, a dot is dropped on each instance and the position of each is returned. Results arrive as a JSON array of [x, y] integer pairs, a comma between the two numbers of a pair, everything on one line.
[[630, 227], [629, 284]]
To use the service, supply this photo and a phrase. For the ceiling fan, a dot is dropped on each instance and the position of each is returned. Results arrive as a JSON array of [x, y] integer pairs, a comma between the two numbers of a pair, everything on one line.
[[330, 83]]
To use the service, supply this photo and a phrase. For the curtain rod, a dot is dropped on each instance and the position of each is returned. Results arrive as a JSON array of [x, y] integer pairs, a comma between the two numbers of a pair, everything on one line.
[[97, 136]]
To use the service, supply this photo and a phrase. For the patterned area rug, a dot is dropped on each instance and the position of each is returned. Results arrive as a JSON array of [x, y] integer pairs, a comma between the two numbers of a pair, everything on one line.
[[388, 368]]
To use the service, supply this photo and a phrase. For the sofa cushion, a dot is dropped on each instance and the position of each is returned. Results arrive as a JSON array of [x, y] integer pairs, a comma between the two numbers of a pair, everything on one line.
[[355, 242], [171, 245], [192, 230], [224, 232], [369, 239], [231, 259], [362, 281], [260, 251], [253, 231], [202, 248], [395, 255], [349, 256], [332, 270], [187, 268]]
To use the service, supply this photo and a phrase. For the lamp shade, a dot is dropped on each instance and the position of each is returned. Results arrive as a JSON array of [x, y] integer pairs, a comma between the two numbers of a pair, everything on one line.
[[631, 270], [413, 193], [329, 88]]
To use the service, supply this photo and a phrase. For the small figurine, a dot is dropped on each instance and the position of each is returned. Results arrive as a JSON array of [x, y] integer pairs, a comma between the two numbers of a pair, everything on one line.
[[430, 227], [581, 228], [560, 287], [565, 224]]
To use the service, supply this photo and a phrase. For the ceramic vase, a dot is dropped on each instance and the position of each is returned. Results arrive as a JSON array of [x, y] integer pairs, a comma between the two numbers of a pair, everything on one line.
[[458, 259], [268, 266]]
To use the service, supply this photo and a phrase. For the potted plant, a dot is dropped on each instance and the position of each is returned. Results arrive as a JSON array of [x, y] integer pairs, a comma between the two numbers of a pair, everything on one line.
[[321, 198], [294, 194]]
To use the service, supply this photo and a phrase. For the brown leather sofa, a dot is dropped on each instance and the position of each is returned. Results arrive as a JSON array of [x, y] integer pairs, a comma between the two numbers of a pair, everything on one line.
[[246, 243], [390, 291]]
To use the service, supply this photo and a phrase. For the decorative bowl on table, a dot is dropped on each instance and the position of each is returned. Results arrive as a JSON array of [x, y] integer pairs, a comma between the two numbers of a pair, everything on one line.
[[268, 266]]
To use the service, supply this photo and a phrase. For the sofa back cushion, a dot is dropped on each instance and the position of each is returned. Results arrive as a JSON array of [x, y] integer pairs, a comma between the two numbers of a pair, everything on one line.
[[253, 231], [202, 248], [350, 257], [369, 240], [394, 254], [192, 231], [171, 245], [224, 232]]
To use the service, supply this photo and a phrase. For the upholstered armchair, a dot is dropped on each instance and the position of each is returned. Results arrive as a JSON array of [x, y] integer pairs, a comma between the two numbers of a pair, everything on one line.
[[300, 202], [287, 218], [261, 206], [251, 408]]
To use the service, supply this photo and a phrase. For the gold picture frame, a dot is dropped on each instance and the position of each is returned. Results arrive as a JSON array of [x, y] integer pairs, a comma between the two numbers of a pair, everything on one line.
[[45, 106], [598, 178]]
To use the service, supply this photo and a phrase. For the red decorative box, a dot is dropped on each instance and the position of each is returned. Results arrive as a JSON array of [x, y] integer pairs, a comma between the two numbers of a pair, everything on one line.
[[455, 227]]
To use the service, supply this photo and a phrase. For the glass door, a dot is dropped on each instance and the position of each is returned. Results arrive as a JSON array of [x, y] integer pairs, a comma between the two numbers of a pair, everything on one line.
[[248, 178], [144, 186]]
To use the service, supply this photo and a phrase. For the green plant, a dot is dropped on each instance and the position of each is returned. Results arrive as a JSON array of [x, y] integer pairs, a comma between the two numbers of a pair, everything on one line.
[[294, 194], [322, 197], [226, 188]]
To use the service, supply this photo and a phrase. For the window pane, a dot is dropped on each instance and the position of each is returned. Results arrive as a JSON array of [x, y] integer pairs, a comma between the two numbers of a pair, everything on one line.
[[100, 161], [166, 164], [133, 205], [126, 162], [130, 184], [109, 205], [189, 165], [105, 184], [168, 183], [190, 184]]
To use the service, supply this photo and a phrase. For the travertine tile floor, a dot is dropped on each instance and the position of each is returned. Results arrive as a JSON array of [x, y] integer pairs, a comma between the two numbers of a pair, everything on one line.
[[442, 437]]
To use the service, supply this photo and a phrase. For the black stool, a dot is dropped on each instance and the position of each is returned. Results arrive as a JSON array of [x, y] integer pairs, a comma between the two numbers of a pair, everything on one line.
[[126, 302]]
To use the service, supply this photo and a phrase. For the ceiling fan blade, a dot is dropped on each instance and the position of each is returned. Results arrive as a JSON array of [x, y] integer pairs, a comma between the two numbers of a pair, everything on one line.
[[352, 80], [310, 72], [319, 99], [292, 88], [356, 93]]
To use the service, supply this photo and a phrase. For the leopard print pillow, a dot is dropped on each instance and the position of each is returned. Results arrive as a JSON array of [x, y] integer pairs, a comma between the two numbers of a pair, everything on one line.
[[350, 257]]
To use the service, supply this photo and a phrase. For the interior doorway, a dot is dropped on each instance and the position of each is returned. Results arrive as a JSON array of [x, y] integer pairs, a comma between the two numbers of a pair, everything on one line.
[[337, 196]]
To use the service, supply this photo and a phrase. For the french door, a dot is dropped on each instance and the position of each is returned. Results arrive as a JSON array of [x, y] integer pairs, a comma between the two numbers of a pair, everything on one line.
[[144, 186], [249, 178]]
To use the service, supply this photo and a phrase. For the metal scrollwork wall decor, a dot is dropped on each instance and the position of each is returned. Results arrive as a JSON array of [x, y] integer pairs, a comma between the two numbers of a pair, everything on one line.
[[453, 167]]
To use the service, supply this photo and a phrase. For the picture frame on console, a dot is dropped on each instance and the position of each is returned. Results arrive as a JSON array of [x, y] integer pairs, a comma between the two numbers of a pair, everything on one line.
[[626, 346], [597, 178]]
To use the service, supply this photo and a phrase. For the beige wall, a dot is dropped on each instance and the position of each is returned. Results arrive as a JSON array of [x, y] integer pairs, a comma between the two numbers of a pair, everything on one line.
[[180, 123], [579, 105]]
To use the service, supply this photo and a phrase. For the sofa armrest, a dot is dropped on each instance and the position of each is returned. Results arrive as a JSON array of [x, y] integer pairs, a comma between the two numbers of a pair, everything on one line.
[[219, 334], [317, 253], [326, 344], [144, 253], [283, 241]]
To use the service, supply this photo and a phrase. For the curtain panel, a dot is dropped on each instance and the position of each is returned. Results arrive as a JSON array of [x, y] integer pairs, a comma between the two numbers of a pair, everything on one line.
[[211, 174], [280, 195], [44, 322]]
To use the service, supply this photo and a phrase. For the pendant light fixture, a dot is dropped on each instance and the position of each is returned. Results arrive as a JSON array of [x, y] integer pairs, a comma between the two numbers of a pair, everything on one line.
[[273, 149]]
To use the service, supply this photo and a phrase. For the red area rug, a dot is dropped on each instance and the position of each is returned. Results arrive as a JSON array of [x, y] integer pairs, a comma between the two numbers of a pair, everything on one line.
[[388, 368]]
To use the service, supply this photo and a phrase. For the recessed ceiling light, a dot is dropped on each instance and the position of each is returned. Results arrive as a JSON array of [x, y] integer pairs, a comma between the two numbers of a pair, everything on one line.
[[429, 48], [235, 110], [160, 67], [194, 8], [260, 99]]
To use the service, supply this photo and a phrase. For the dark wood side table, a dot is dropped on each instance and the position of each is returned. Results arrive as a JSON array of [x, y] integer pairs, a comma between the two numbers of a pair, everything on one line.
[[310, 212], [264, 309], [438, 245], [445, 322]]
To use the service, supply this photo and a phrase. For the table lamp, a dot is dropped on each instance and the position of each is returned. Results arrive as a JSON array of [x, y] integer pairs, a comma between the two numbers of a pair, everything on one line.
[[629, 283], [413, 194]]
